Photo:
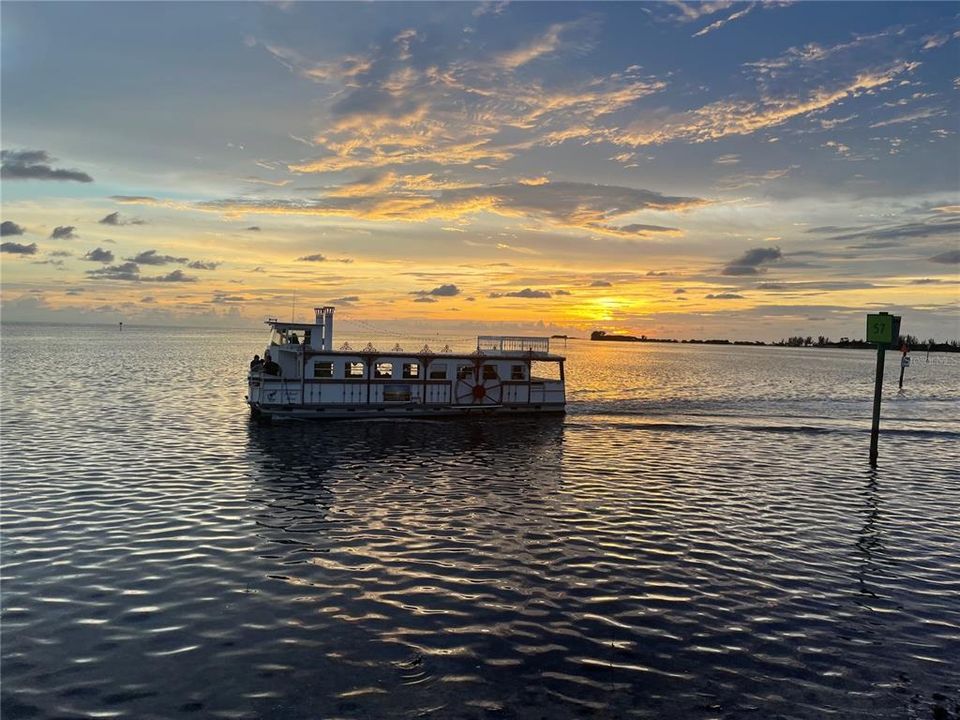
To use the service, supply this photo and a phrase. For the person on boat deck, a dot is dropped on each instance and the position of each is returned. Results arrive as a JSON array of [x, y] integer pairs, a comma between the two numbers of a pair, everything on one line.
[[256, 365], [269, 366], [293, 339]]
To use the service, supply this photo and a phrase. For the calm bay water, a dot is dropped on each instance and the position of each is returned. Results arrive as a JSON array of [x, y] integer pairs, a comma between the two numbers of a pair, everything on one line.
[[700, 537]]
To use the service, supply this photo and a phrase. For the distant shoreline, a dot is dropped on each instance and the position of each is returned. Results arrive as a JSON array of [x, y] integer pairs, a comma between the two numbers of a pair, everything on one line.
[[912, 343]]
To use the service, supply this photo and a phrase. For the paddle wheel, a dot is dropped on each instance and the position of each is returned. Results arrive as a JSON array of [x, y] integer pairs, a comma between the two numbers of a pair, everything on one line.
[[479, 388]]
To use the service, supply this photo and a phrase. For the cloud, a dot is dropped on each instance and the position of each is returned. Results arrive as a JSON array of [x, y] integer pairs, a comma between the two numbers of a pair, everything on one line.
[[441, 291], [114, 219], [270, 183], [130, 271], [898, 234], [799, 83], [490, 7], [745, 180], [749, 263], [61, 253], [149, 299], [731, 159], [126, 271], [18, 249], [99, 255], [815, 285], [569, 205], [35, 165], [8, 227], [658, 273], [401, 104], [425, 299], [313, 258], [347, 300], [724, 296], [204, 264], [176, 276], [693, 11], [931, 42], [546, 44], [679, 291], [723, 21], [136, 199], [64, 232], [150, 257], [224, 299], [921, 114], [525, 293], [601, 283], [950, 257], [253, 228], [838, 147]]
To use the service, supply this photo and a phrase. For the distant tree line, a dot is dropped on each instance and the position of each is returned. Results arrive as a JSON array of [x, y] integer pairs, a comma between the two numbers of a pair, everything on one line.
[[911, 341]]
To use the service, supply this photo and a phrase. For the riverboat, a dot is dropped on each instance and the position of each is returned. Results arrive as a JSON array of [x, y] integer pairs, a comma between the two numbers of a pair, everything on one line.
[[305, 378]]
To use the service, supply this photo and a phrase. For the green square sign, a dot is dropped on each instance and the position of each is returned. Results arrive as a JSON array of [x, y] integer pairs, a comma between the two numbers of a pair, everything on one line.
[[883, 328], [880, 328]]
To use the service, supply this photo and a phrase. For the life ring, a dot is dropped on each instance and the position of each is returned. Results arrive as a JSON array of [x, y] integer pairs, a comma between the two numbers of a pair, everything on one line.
[[479, 392]]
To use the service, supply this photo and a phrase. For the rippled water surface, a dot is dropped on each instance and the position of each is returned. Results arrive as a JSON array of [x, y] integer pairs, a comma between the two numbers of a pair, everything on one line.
[[700, 537]]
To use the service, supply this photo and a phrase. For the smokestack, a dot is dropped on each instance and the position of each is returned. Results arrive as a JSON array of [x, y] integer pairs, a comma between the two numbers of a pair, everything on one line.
[[324, 317]]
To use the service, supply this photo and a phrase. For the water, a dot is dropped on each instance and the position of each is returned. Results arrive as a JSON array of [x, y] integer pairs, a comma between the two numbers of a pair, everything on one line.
[[700, 537]]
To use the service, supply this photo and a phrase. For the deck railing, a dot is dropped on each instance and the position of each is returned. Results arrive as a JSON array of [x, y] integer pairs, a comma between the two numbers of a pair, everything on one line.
[[513, 343]]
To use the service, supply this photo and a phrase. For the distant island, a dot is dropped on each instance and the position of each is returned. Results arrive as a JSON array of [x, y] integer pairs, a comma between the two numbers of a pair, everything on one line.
[[911, 341]]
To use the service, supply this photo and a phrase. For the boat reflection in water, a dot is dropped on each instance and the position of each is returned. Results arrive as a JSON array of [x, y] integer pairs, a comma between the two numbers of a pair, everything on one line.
[[406, 553]]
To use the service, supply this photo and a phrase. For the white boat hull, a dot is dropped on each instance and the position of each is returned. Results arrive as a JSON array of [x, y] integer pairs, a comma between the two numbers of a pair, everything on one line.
[[366, 412]]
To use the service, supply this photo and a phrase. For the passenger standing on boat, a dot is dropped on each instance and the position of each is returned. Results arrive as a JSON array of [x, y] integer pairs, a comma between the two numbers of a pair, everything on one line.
[[256, 365], [269, 366], [294, 340]]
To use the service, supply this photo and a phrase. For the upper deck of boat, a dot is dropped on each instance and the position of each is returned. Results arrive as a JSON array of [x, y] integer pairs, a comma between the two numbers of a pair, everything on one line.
[[494, 347]]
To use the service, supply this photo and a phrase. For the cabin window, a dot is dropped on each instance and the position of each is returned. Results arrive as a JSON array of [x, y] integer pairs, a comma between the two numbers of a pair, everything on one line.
[[545, 370], [306, 338], [464, 372], [323, 369], [516, 372], [411, 371], [490, 372], [438, 371], [353, 370], [383, 370]]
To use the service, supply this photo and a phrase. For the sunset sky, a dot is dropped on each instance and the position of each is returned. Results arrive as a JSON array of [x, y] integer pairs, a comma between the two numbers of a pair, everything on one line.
[[742, 170]]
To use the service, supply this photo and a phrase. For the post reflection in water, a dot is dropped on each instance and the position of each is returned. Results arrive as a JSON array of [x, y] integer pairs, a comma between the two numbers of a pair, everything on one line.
[[870, 540]]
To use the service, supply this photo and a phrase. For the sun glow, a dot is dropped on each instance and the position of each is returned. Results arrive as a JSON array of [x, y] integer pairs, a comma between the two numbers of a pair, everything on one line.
[[607, 309]]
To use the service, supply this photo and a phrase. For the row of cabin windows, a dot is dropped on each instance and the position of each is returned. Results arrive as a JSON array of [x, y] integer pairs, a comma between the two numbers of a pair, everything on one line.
[[411, 371]]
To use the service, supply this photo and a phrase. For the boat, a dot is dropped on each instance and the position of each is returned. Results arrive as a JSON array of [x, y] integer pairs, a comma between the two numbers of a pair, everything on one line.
[[305, 378]]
